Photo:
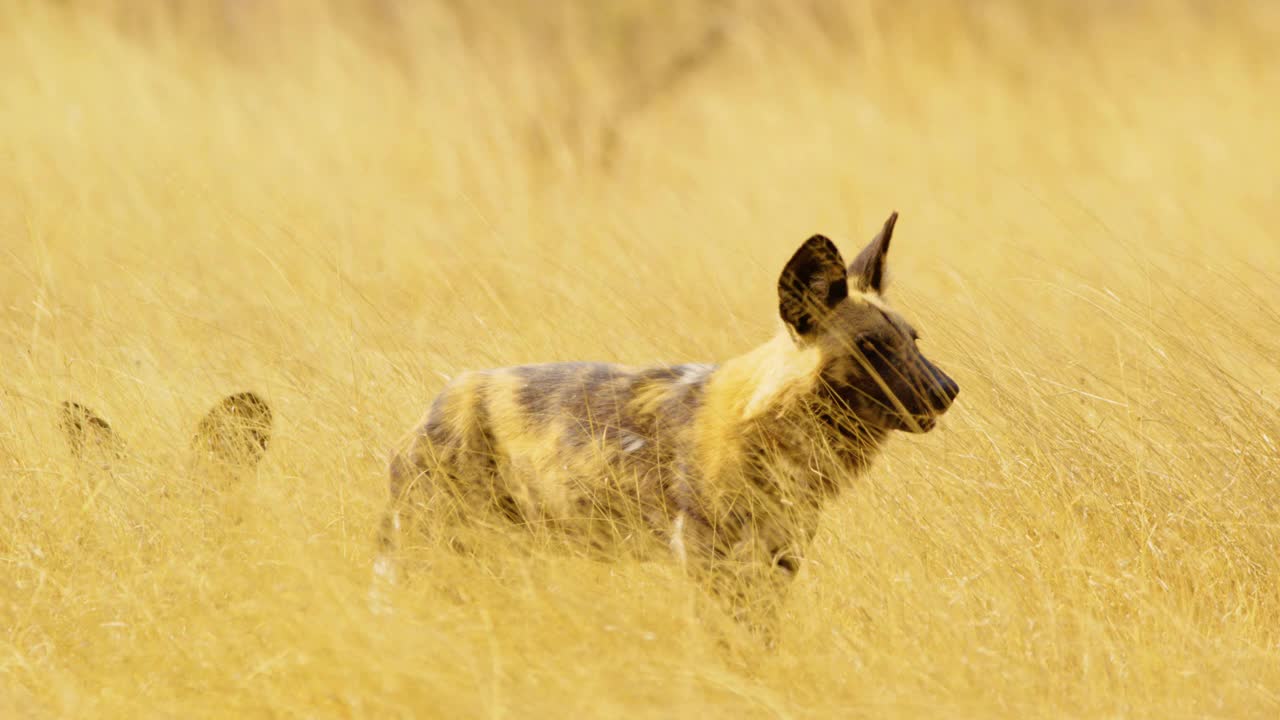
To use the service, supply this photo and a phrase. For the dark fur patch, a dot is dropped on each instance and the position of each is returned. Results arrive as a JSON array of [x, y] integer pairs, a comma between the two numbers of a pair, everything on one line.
[[593, 399], [539, 396], [661, 374], [593, 402], [812, 283]]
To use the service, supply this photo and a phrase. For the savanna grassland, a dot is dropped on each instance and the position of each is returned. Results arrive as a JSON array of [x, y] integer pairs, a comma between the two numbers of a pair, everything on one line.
[[339, 205]]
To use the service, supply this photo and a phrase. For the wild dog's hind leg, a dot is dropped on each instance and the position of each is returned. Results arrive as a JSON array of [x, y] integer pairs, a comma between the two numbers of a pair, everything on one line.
[[439, 494], [405, 485]]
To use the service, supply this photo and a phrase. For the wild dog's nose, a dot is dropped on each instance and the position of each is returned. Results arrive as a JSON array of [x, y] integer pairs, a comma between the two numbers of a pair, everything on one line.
[[942, 388], [950, 387]]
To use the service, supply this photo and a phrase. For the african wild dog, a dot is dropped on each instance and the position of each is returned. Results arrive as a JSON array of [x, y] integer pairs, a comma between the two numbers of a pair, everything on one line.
[[727, 467]]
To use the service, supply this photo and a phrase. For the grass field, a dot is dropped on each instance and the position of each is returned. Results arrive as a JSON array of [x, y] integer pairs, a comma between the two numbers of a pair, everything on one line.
[[340, 205]]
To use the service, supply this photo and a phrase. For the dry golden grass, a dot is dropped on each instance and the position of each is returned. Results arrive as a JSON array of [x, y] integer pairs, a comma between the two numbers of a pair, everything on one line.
[[338, 206]]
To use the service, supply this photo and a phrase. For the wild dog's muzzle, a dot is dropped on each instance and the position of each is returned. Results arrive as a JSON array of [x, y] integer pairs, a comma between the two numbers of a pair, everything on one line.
[[936, 392], [942, 390]]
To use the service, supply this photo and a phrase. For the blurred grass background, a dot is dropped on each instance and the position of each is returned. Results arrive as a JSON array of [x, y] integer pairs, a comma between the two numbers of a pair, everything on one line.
[[338, 204]]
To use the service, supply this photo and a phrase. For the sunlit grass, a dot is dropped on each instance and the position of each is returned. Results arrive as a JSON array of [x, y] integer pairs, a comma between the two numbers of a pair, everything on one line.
[[340, 207]]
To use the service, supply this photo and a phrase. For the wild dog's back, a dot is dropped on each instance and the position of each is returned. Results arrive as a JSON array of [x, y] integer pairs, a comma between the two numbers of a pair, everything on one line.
[[592, 451]]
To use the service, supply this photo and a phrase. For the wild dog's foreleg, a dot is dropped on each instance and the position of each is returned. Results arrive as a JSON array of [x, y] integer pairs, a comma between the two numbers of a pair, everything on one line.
[[751, 579], [679, 546], [748, 579], [753, 593]]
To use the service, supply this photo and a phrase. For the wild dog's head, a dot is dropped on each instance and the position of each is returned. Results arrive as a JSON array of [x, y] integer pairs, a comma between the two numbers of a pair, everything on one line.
[[871, 368]]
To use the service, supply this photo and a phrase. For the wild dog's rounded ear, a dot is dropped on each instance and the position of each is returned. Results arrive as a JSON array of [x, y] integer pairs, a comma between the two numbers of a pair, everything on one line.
[[813, 281], [237, 430], [86, 431], [867, 270]]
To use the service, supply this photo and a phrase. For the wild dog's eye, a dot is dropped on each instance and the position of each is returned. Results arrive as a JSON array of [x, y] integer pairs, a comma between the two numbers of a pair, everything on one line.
[[914, 335]]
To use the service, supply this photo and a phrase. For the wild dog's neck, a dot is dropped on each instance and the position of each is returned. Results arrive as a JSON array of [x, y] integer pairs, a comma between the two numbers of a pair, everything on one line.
[[754, 384], [768, 380], [761, 405]]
